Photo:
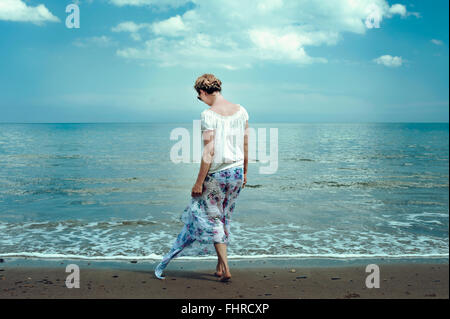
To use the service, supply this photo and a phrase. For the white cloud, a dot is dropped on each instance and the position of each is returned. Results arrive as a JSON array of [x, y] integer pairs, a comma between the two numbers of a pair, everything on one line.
[[101, 41], [17, 10], [281, 45], [388, 60], [269, 5], [170, 27], [398, 9], [132, 28], [79, 2], [376, 12], [168, 3], [416, 14], [239, 33], [128, 26], [437, 42]]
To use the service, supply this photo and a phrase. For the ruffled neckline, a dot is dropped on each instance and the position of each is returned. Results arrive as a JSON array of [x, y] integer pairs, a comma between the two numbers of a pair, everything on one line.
[[226, 116]]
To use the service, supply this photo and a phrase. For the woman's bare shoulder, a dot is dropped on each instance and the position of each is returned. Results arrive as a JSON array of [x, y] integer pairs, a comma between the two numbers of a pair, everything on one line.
[[226, 109]]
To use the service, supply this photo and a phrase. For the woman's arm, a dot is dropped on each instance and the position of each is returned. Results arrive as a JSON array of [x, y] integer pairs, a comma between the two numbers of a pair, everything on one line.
[[246, 147], [207, 158], [245, 153]]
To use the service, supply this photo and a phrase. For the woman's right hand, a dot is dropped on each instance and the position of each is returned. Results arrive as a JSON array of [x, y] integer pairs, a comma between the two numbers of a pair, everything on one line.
[[245, 180]]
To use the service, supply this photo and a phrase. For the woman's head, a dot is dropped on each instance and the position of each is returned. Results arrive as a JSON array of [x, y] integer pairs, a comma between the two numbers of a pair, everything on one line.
[[207, 84]]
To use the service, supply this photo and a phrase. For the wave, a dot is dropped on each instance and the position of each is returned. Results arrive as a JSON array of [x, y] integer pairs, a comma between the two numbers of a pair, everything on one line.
[[70, 224], [232, 257]]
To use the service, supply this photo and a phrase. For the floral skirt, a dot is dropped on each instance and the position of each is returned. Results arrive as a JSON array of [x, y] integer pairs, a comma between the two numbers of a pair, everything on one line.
[[207, 218]]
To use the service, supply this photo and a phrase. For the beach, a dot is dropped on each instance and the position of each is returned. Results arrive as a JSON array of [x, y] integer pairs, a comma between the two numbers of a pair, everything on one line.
[[135, 280]]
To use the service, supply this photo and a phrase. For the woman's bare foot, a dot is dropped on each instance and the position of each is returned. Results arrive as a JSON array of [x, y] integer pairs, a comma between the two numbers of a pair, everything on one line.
[[219, 270], [226, 275]]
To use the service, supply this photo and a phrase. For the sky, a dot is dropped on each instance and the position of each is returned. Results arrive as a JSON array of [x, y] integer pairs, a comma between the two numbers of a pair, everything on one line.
[[283, 60]]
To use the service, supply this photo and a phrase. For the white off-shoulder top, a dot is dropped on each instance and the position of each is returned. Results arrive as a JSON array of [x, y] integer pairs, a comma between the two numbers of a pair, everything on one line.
[[228, 137]]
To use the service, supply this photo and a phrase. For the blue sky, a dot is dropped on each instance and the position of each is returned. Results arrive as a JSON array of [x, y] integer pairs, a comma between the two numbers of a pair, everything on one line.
[[285, 61]]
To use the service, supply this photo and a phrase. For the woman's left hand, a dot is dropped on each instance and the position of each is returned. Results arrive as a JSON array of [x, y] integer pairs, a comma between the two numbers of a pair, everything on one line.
[[197, 190]]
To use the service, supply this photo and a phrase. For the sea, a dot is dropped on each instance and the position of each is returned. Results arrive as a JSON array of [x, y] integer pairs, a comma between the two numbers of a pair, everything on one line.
[[116, 191]]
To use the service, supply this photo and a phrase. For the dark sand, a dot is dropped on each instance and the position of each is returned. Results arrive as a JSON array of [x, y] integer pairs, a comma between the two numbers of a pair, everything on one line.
[[425, 281]]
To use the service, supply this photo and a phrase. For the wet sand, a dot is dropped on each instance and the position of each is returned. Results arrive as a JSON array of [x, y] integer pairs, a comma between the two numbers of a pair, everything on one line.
[[399, 281]]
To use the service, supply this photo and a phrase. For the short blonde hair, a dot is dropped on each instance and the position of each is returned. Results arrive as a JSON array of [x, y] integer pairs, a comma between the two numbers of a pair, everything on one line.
[[208, 83]]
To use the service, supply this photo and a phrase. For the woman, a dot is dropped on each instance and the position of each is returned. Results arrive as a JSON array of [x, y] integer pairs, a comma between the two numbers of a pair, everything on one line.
[[223, 172]]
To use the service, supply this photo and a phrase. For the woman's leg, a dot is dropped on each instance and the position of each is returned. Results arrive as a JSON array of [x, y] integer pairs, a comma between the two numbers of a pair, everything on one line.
[[221, 250], [219, 268], [229, 195], [219, 237]]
